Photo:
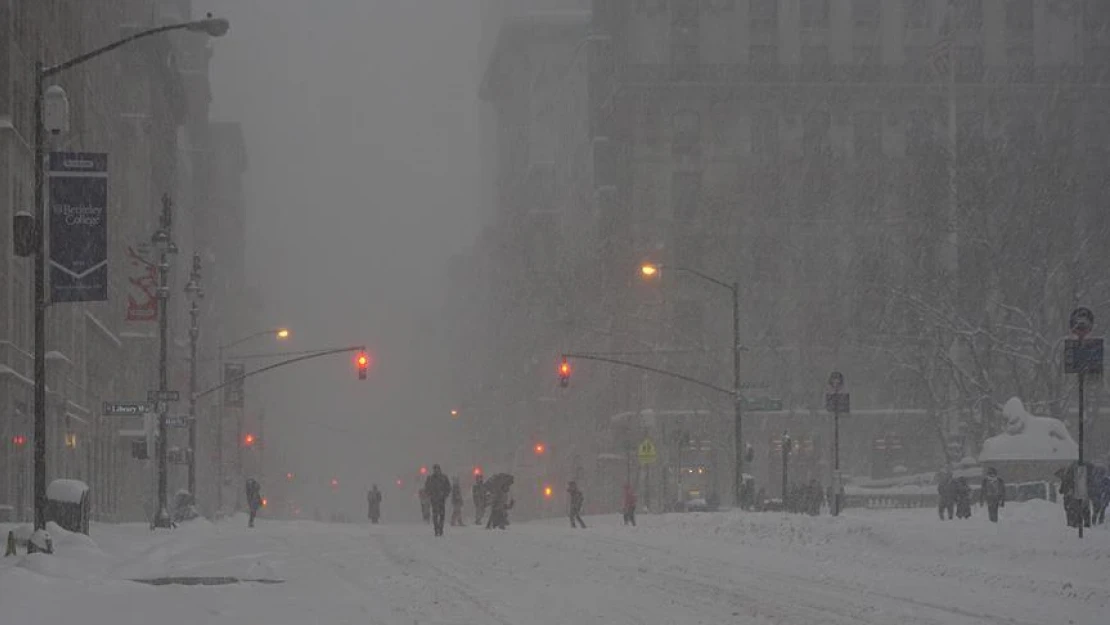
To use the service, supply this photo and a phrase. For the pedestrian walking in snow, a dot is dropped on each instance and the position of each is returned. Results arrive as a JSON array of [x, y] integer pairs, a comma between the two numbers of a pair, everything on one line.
[[1101, 490], [438, 489], [629, 506], [576, 501], [946, 494], [499, 500], [456, 504], [374, 504], [993, 493], [254, 499], [480, 497], [960, 492]]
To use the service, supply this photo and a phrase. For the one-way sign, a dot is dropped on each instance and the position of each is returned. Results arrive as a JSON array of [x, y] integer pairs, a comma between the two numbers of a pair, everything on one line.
[[163, 396], [127, 408]]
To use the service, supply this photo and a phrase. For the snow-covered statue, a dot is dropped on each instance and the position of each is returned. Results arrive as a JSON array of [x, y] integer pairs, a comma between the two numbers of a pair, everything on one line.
[[1028, 437]]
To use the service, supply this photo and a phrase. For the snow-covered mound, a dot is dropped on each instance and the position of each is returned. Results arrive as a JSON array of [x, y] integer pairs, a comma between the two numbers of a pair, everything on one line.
[[69, 491], [1028, 437]]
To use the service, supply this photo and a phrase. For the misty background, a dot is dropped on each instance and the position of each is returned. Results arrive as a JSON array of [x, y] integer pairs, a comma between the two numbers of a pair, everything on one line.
[[362, 126]]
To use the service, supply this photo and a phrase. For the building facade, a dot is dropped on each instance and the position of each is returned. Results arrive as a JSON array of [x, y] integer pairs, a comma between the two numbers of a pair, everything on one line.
[[901, 188]]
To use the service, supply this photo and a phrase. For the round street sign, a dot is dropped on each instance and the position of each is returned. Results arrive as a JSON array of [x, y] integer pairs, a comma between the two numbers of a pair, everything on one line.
[[646, 452], [1081, 321]]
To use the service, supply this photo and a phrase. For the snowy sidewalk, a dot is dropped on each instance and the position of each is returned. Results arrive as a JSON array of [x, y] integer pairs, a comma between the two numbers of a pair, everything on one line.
[[890, 567]]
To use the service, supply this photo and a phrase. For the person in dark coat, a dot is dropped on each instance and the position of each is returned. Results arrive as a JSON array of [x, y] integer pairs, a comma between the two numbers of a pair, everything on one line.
[[993, 493], [1067, 493], [946, 495], [960, 493], [254, 499], [629, 505], [576, 501], [438, 489], [499, 505], [1100, 496], [480, 497], [456, 504], [374, 504]]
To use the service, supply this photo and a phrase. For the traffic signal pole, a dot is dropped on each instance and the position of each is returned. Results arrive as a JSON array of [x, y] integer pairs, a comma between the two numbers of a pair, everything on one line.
[[737, 398], [284, 363]]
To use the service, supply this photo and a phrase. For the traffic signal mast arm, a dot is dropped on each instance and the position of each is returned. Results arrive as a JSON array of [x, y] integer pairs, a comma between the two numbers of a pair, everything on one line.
[[663, 372], [310, 356]]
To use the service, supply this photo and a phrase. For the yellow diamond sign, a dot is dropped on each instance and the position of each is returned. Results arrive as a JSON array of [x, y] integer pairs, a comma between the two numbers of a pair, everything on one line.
[[647, 452]]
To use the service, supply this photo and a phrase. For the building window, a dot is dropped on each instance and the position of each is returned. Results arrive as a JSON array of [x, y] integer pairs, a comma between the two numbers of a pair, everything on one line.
[[815, 63], [867, 13], [969, 64], [815, 133], [686, 126], [765, 132], [867, 129], [765, 62], [815, 14], [968, 14], [765, 15], [1019, 16], [1020, 60], [918, 13], [685, 195]]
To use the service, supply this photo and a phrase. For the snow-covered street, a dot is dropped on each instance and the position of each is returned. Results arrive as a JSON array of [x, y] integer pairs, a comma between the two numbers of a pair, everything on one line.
[[866, 567]]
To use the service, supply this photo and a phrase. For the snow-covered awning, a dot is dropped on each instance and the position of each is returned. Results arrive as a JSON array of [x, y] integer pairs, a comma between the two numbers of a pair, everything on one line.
[[69, 491]]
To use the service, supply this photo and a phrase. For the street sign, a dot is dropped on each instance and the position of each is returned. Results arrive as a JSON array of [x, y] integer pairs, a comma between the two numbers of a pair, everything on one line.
[[762, 404], [126, 408], [177, 421], [838, 403], [1083, 356], [647, 452], [163, 396]]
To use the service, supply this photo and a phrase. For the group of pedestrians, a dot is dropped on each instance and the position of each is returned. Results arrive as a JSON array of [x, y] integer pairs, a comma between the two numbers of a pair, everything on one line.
[[954, 495], [1090, 510]]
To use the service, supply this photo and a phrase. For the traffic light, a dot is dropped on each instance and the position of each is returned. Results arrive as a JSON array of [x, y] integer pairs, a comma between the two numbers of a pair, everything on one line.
[[248, 440], [564, 373], [334, 483], [363, 363], [548, 492], [540, 449], [19, 441], [454, 413], [264, 502], [400, 483], [423, 470], [289, 476], [477, 471]]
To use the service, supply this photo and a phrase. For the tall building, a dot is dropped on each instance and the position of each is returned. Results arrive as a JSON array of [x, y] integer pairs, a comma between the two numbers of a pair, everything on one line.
[[901, 189], [146, 106]]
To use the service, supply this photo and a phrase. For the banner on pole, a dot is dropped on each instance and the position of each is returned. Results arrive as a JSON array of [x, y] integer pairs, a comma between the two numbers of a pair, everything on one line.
[[78, 223]]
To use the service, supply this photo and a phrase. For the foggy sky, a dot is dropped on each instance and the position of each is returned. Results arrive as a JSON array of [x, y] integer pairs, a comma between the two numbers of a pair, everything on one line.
[[360, 118]]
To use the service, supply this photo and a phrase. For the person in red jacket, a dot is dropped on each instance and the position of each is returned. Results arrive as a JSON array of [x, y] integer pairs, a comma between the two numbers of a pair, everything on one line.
[[629, 506]]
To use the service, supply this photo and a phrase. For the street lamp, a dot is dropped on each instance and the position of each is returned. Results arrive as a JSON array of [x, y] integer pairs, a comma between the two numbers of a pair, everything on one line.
[[195, 293], [652, 270], [163, 241], [280, 333], [30, 228]]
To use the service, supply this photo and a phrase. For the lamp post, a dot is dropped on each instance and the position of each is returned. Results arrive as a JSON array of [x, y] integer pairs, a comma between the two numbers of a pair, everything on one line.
[[278, 333], [30, 231], [163, 241], [195, 293], [649, 271]]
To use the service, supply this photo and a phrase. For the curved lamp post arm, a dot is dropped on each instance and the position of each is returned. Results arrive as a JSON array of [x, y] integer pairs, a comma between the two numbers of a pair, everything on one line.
[[214, 27], [328, 352], [663, 372]]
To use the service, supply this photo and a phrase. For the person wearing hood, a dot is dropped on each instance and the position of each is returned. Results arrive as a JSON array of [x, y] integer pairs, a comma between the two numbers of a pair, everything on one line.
[[254, 499], [993, 493], [456, 504], [576, 501], [480, 496], [438, 489], [629, 505], [374, 504]]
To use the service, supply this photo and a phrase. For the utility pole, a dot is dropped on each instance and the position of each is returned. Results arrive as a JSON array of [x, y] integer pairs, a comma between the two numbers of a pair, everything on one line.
[[737, 398], [787, 444], [195, 293], [163, 240]]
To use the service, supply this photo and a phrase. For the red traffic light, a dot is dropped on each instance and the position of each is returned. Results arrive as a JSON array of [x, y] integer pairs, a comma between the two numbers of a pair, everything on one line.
[[540, 449], [248, 440], [362, 361], [289, 476], [564, 373], [334, 482], [423, 470], [19, 440], [400, 483], [477, 471]]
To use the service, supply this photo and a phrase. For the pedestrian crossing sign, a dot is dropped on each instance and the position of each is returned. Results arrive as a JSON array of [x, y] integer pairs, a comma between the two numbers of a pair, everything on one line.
[[647, 452]]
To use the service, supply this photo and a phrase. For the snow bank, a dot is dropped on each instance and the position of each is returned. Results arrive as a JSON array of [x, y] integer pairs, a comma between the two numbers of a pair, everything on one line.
[[69, 491], [1028, 437]]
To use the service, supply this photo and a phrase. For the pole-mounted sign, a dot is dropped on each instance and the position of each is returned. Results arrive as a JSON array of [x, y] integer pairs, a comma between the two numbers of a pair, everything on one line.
[[78, 222]]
